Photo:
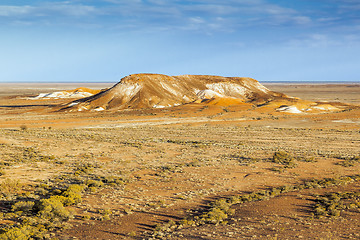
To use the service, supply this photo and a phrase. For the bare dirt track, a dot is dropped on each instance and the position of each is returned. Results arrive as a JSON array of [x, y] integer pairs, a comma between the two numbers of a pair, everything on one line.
[[143, 168]]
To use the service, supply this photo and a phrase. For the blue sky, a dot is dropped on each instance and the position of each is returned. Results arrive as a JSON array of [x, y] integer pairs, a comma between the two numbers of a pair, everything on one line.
[[105, 40]]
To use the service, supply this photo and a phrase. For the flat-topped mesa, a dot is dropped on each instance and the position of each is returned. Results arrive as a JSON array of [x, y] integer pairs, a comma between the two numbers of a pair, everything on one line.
[[159, 91]]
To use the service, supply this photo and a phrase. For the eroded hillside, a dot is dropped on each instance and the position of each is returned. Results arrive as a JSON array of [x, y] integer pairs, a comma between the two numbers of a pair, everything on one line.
[[139, 91], [159, 91]]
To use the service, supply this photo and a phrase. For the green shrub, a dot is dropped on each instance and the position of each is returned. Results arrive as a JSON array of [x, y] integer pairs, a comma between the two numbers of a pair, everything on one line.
[[114, 180], [331, 205], [94, 183], [23, 206], [194, 163], [85, 168], [86, 217], [92, 189], [221, 204], [17, 233], [306, 159], [36, 217], [105, 211], [283, 158], [10, 187], [106, 214], [105, 218], [52, 209], [72, 195], [23, 127], [29, 154], [218, 212], [215, 215], [349, 161]]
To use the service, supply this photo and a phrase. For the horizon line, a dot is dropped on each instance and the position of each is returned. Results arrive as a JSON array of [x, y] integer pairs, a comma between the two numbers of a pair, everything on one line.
[[267, 81]]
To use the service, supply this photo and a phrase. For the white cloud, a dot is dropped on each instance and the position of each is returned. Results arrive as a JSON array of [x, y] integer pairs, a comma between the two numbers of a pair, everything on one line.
[[274, 9], [8, 11], [196, 20], [302, 20], [350, 6], [57, 8], [328, 19], [194, 15], [123, 2], [159, 2], [205, 25], [23, 23], [67, 9], [317, 41]]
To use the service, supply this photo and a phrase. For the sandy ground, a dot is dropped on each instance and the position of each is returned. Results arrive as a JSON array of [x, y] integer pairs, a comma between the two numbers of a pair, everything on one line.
[[176, 160]]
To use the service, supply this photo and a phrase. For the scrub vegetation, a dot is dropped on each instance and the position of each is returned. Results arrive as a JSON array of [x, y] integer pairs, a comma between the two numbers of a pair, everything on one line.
[[196, 171]]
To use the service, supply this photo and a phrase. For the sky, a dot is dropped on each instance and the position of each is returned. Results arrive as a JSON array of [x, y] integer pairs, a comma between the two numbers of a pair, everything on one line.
[[105, 40]]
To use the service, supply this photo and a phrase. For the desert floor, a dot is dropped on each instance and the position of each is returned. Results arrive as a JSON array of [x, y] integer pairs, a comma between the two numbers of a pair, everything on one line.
[[159, 173]]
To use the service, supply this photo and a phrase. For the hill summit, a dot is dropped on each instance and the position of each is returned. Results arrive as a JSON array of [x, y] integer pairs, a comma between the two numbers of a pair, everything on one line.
[[158, 91]]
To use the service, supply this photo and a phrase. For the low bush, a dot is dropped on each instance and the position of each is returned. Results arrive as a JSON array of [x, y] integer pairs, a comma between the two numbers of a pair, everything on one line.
[[52, 209], [283, 158], [10, 188], [349, 161], [41, 213], [331, 205], [17, 233], [22, 206], [23, 127], [72, 195], [94, 183], [306, 159]]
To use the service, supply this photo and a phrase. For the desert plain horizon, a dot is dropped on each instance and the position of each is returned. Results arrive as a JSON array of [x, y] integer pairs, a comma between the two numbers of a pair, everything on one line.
[[281, 165]]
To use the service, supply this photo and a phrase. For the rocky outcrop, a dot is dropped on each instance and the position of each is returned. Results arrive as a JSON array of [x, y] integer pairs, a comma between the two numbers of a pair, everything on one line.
[[158, 91]]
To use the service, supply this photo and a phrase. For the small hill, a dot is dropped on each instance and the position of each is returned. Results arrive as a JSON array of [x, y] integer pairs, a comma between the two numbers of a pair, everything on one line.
[[75, 93], [158, 91]]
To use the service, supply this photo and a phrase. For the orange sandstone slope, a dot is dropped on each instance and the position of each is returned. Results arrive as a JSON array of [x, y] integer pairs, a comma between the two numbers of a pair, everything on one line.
[[159, 91], [83, 89]]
